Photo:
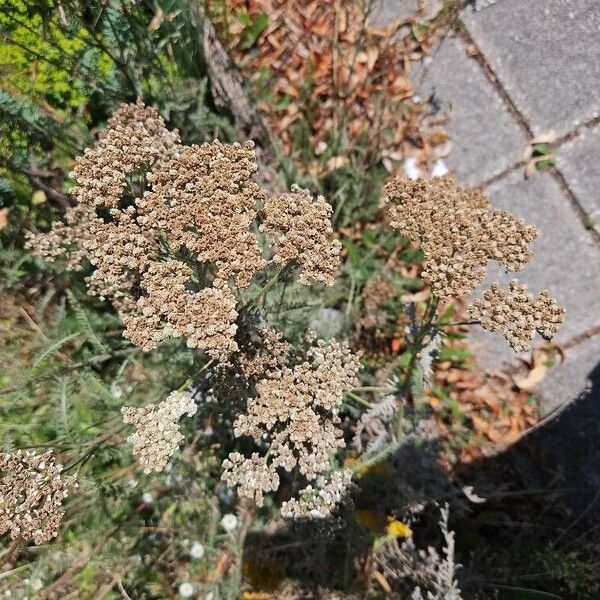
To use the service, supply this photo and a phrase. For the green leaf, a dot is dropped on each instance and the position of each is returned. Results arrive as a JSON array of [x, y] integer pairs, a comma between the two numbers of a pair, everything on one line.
[[404, 359], [518, 593], [454, 355], [51, 350], [412, 255], [252, 32]]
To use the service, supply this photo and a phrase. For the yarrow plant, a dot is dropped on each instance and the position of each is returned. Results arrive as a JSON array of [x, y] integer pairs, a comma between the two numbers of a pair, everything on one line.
[[174, 232], [185, 243], [180, 238]]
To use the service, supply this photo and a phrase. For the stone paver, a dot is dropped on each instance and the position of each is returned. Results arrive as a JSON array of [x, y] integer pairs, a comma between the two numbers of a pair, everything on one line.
[[389, 11], [546, 55], [578, 162], [568, 446], [486, 139], [566, 261], [570, 378]]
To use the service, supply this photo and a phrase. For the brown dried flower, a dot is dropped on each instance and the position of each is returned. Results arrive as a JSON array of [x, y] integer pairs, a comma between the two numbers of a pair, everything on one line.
[[181, 232], [517, 314], [31, 495], [299, 228], [205, 201], [296, 409], [266, 358], [157, 434], [66, 239], [134, 140], [458, 232], [206, 319]]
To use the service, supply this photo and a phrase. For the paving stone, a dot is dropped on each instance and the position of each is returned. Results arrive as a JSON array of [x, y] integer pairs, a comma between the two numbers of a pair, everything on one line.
[[486, 140], [571, 378], [481, 4], [386, 12], [566, 262], [578, 162], [546, 55]]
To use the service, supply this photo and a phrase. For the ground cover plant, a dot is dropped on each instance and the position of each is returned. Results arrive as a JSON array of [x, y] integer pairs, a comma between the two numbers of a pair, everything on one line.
[[217, 374]]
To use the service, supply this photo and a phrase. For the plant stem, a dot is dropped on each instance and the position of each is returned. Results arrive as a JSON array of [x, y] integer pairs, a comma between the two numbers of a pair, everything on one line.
[[456, 323], [371, 388], [190, 380], [267, 287], [359, 400], [416, 346]]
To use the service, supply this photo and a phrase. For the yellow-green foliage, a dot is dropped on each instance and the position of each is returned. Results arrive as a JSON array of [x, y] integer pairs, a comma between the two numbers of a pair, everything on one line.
[[36, 58]]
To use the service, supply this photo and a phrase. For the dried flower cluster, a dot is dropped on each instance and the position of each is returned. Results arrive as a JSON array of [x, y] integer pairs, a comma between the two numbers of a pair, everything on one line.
[[135, 139], [517, 314], [206, 201], [31, 495], [300, 229], [295, 411], [458, 232], [157, 434], [173, 232]]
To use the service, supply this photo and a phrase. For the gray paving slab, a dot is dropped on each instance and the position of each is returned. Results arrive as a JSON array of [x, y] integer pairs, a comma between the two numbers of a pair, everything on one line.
[[546, 55], [578, 162], [566, 262], [571, 378], [485, 138], [388, 11]]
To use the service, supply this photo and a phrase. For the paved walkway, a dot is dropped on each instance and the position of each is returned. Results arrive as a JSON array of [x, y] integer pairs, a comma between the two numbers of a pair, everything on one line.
[[514, 71]]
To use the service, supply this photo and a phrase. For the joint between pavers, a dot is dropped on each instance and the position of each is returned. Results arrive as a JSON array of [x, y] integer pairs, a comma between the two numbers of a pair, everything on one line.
[[513, 367], [575, 133], [582, 337], [499, 176], [522, 122], [485, 66], [556, 144], [572, 199]]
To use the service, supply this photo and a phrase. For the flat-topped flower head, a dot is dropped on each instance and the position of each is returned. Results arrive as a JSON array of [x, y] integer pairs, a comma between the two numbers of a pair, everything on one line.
[[157, 435], [173, 232], [296, 409], [517, 314], [299, 229], [457, 230], [32, 491]]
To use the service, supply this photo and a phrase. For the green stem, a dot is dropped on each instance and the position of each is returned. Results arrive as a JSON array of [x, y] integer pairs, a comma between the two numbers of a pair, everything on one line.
[[416, 347], [190, 380], [359, 400], [270, 284], [372, 388], [456, 323]]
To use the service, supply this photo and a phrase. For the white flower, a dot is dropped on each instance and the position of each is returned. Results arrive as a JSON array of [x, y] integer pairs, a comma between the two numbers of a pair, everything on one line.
[[186, 590], [439, 168], [147, 497], [197, 550], [36, 584], [229, 522], [411, 168]]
